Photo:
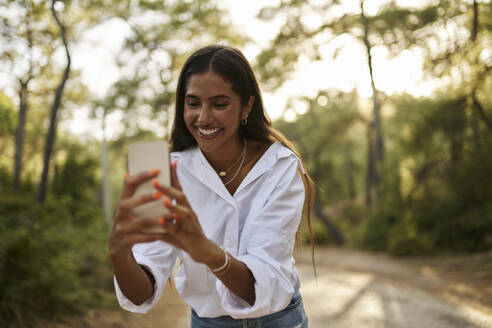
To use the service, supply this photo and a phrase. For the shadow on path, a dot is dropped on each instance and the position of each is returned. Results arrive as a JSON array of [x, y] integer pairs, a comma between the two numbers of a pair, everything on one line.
[[342, 298]]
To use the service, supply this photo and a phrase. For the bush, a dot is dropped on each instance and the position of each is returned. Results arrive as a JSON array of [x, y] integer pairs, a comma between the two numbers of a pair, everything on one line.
[[52, 259], [320, 235], [373, 233], [404, 240]]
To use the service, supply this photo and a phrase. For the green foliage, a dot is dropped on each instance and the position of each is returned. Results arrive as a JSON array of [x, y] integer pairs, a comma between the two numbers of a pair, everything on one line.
[[435, 193], [323, 137], [53, 259], [75, 178], [275, 63], [320, 234], [444, 168], [403, 241], [435, 196], [374, 231], [163, 34]]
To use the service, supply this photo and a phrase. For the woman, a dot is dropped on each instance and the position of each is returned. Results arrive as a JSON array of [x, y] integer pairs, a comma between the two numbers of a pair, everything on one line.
[[236, 202]]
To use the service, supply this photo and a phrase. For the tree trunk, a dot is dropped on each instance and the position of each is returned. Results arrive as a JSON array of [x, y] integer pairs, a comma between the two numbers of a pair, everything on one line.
[[474, 31], [349, 171], [19, 134], [474, 118], [317, 168], [23, 107], [481, 112], [377, 158], [50, 138], [370, 167], [335, 233]]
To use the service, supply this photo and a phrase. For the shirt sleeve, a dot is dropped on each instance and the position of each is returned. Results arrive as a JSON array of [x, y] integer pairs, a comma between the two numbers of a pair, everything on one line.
[[159, 258], [270, 238]]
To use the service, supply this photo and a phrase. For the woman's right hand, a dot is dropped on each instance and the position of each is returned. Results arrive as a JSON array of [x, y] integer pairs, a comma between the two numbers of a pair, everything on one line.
[[127, 231]]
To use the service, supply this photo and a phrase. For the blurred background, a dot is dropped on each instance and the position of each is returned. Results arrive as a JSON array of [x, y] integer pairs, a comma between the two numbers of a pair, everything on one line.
[[388, 102]]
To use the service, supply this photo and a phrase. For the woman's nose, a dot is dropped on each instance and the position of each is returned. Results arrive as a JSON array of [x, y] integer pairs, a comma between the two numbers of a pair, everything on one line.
[[204, 115]]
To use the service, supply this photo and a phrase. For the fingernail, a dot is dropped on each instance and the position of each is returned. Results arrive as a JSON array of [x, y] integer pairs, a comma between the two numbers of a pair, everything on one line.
[[162, 221], [155, 183], [157, 195], [166, 201], [154, 171], [175, 163], [175, 216], [126, 175]]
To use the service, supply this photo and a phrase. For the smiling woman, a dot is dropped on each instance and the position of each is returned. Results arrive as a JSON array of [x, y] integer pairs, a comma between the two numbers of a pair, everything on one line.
[[212, 113], [238, 193]]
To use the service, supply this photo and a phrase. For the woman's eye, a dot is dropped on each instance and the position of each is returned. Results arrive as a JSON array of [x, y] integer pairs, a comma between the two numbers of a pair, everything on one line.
[[192, 104], [221, 105]]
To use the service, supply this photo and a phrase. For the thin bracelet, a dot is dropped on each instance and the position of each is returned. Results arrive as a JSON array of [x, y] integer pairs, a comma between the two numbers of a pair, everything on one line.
[[225, 264], [223, 272]]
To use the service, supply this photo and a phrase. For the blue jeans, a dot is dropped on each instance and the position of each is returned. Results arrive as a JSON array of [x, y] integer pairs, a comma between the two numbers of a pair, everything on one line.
[[292, 316]]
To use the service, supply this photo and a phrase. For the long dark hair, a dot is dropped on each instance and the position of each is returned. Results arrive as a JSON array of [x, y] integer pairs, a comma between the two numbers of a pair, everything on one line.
[[232, 66]]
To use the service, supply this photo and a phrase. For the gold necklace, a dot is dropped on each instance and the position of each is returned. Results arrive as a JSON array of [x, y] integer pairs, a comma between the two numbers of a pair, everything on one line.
[[224, 172], [240, 166]]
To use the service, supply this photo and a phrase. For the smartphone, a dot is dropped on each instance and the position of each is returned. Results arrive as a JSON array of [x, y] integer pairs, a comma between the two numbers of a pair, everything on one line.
[[146, 156]]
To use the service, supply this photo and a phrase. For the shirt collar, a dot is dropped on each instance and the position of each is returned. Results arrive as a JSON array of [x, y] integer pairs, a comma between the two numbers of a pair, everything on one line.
[[197, 165]]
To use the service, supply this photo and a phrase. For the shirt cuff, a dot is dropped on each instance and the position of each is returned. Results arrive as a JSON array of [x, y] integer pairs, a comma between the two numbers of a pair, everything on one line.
[[160, 282], [272, 291]]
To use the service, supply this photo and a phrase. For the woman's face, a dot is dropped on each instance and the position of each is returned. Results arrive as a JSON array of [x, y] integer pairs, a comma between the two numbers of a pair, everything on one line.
[[212, 112]]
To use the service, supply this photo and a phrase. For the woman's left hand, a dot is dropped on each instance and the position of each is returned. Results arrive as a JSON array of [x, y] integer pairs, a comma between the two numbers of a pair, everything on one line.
[[183, 229]]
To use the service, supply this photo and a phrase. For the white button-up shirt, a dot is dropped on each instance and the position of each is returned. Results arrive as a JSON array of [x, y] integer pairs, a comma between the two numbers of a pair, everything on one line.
[[257, 225]]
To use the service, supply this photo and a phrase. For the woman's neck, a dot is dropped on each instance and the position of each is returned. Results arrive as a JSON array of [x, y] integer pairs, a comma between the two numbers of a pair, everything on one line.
[[226, 156]]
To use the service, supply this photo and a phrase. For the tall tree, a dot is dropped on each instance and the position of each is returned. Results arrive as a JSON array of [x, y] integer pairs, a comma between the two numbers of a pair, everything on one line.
[[50, 138], [298, 37], [459, 55], [31, 36], [23, 28], [375, 145], [23, 101]]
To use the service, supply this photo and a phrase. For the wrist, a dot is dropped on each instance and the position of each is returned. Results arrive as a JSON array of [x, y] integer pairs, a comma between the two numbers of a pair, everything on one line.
[[213, 255]]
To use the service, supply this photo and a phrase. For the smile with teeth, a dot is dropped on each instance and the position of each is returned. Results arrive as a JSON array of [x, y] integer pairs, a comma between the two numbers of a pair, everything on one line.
[[208, 132]]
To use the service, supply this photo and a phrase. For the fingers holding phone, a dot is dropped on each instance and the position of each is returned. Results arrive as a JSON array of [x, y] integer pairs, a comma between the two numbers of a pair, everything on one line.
[[131, 182], [128, 228], [126, 233], [140, 210], [133, 200], [149, 157]]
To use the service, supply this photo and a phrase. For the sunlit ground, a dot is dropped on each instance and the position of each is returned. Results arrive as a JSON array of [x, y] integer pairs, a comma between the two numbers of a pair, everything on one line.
[[344, 299]]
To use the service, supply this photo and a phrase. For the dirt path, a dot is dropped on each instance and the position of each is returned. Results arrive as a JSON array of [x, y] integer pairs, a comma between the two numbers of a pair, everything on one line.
[[356, 289]]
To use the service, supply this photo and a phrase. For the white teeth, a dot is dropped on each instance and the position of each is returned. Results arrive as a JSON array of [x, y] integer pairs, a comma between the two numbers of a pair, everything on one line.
[[208, 132]]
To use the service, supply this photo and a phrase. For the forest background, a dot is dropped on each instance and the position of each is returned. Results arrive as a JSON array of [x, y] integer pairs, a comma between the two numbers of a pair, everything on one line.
[[395, 172]]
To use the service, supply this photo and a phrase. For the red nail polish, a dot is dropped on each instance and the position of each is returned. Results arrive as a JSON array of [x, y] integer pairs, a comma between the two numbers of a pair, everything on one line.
[[157, 195], [155, 183], [175, 216], [166, 201], [162, 221]]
